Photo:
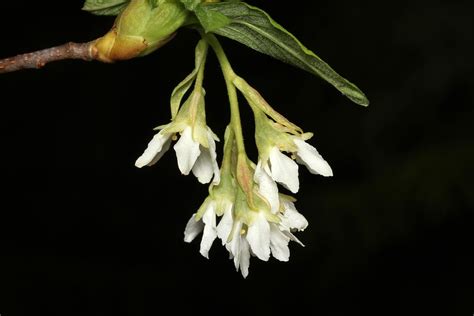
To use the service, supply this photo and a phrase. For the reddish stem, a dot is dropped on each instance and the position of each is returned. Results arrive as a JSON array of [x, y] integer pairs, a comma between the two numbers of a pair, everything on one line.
[[38, 59]]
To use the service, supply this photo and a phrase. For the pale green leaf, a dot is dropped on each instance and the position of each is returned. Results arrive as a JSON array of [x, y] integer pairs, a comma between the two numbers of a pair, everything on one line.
[[191, 4], [105, 7], [253, 27], [211, 20]]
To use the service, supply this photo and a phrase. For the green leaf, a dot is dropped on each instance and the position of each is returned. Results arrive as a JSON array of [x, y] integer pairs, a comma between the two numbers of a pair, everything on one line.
[[191, 4], [183, 86], [253, 27], [105, 7], [211, 20]]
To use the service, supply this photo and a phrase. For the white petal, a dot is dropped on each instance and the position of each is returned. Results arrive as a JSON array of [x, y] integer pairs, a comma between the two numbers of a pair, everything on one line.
[[239, 250], [211, 137], [166, 147], [267, 187], [187, 151], [292, 237], [279, 244], [312, 159], [155, 150], [234, 246], [244, 258], [284, 170], [206, 165], [293, 219], [225, 225], [193, 229], [258, 236], [203, 167], [210, 233]]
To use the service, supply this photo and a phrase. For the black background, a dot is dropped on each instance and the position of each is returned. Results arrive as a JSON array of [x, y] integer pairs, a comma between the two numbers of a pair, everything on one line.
[[83, 232]]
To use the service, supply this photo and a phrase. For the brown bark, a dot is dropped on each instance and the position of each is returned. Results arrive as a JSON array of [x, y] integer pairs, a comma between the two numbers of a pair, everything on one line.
[[38, 59]]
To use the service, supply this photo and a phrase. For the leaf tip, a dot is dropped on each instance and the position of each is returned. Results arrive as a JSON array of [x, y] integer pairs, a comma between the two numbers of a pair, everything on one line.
[[364, 101], [354, 94]]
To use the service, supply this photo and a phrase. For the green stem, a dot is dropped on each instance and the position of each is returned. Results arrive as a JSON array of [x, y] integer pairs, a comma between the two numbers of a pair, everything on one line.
[[200, 75], [195, 108], [229, 76]]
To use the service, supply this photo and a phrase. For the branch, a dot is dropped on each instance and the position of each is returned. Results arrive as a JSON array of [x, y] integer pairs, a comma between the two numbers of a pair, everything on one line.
[[38, 59]]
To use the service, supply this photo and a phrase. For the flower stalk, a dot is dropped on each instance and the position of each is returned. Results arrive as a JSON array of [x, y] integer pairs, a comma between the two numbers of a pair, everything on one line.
[[244, 174], [229, 76]]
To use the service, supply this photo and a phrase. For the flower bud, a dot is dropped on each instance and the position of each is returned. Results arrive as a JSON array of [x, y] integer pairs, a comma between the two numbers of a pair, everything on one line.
[[140, 29]]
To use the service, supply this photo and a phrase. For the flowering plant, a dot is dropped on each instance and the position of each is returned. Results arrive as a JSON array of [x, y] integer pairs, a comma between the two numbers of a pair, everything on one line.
[[244, 208]]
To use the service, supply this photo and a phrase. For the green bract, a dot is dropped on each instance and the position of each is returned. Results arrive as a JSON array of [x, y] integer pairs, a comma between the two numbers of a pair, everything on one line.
[[142, 27]]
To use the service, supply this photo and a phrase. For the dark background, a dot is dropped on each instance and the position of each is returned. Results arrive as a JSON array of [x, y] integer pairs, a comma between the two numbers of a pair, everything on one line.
[[84, 232]]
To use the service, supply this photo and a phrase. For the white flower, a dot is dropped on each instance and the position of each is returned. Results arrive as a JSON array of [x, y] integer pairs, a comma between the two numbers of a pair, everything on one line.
[[281, 234], [198, 156], [204, 220], [239, 250], [261, 237], [194, 156], [277, 136], [291, 220], [267, 237], [310, 157], [284, 170], [207, 224], [266, 186], [254, 233], [225, 225], [157, 147], [187, 151], [258, 236]]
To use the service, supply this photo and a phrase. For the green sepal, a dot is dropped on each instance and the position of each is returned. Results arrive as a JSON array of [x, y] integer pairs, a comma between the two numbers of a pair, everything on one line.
[[255, 100]]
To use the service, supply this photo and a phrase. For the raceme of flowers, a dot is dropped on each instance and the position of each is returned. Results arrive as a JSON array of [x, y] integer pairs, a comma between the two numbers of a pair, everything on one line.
[[244, 210]]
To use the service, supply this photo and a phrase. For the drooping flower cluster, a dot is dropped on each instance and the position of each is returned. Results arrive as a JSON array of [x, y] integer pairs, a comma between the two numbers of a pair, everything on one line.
[[244, 209], [245, 231]]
